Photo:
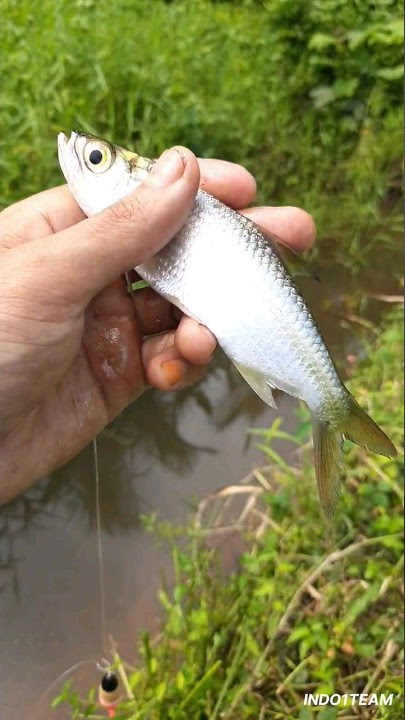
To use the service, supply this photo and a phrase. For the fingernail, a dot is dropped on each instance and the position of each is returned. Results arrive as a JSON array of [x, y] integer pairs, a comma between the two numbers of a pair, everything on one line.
[[174, 371], [167, 169]]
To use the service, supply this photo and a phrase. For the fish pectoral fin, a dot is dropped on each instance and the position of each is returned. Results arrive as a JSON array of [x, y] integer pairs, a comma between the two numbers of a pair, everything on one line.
[[174, 301], [268, 395], [262, 387], [296, 265]]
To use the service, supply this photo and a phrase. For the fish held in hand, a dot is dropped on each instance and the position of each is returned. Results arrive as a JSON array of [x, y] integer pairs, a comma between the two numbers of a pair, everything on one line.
[[266, 331]]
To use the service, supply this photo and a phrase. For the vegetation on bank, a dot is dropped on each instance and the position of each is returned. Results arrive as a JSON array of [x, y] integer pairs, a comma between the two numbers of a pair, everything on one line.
[[308, 95], [314, 606]]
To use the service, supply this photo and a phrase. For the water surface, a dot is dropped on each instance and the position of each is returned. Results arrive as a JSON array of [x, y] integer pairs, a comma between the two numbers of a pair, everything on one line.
[[162, 454]]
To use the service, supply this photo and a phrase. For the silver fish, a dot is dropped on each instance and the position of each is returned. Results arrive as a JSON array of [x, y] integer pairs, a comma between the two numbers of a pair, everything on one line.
[[265, 328]]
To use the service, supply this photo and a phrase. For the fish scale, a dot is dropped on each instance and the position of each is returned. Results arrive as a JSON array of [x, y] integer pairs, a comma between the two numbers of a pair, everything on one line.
[[222, 270]]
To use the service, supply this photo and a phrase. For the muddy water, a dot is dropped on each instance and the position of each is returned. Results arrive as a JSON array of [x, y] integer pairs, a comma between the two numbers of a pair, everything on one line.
[[161, 455]]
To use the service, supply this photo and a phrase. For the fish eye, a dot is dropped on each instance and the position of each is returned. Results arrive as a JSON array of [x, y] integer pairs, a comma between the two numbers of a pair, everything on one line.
[[95, 157], [98, 156]]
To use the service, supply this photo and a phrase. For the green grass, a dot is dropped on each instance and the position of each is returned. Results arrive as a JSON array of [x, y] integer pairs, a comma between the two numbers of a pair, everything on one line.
[[315, 606], [307, 94]]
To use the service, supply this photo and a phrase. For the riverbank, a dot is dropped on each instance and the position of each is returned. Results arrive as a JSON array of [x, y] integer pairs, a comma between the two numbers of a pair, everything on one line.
[[315, 606]]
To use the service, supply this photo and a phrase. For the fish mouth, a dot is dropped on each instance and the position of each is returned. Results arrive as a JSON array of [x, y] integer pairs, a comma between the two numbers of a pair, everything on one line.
[[67, 154], [62, 148], [62, 139]]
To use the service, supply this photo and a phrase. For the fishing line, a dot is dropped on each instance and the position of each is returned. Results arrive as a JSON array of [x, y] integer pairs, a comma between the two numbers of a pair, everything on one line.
[[100, 555], [102, 605], [40, 708]]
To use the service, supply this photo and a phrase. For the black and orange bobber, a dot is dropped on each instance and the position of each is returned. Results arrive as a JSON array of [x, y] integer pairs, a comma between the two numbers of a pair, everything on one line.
[[109, 692]]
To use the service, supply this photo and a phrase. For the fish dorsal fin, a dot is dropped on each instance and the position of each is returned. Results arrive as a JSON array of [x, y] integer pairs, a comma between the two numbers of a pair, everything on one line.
[[296, 264], [262, 387]]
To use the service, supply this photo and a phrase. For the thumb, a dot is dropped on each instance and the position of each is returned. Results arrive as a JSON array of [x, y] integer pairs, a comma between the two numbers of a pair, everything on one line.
[[86, 257]]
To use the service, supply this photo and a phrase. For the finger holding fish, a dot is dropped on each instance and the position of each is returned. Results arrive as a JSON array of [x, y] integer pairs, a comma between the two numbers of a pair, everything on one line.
[[165, 368], [229, 182], [295, 226]]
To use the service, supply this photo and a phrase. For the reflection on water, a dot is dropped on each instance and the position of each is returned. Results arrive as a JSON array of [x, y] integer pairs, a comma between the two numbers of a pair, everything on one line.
[[151, 432], [158, 455]]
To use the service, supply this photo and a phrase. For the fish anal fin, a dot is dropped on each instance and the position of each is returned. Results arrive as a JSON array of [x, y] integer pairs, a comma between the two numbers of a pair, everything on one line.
[[174, 301], [262, 387]]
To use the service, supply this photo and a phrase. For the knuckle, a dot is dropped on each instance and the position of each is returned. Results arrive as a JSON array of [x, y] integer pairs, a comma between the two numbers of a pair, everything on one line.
[[127, 210]]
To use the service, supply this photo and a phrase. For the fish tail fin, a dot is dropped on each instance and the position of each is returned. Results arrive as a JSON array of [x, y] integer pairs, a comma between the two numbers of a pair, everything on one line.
[[357, 427], [362, 430]]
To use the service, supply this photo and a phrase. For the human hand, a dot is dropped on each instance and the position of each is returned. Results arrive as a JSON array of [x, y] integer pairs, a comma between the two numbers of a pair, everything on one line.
[[76, 347]]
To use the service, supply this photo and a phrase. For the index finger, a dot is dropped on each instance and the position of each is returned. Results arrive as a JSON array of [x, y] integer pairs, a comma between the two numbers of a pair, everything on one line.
[[39, 215], [231, 183]]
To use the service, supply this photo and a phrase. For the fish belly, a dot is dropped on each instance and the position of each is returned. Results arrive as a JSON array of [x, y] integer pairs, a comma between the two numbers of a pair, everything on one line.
[[220, 271]]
